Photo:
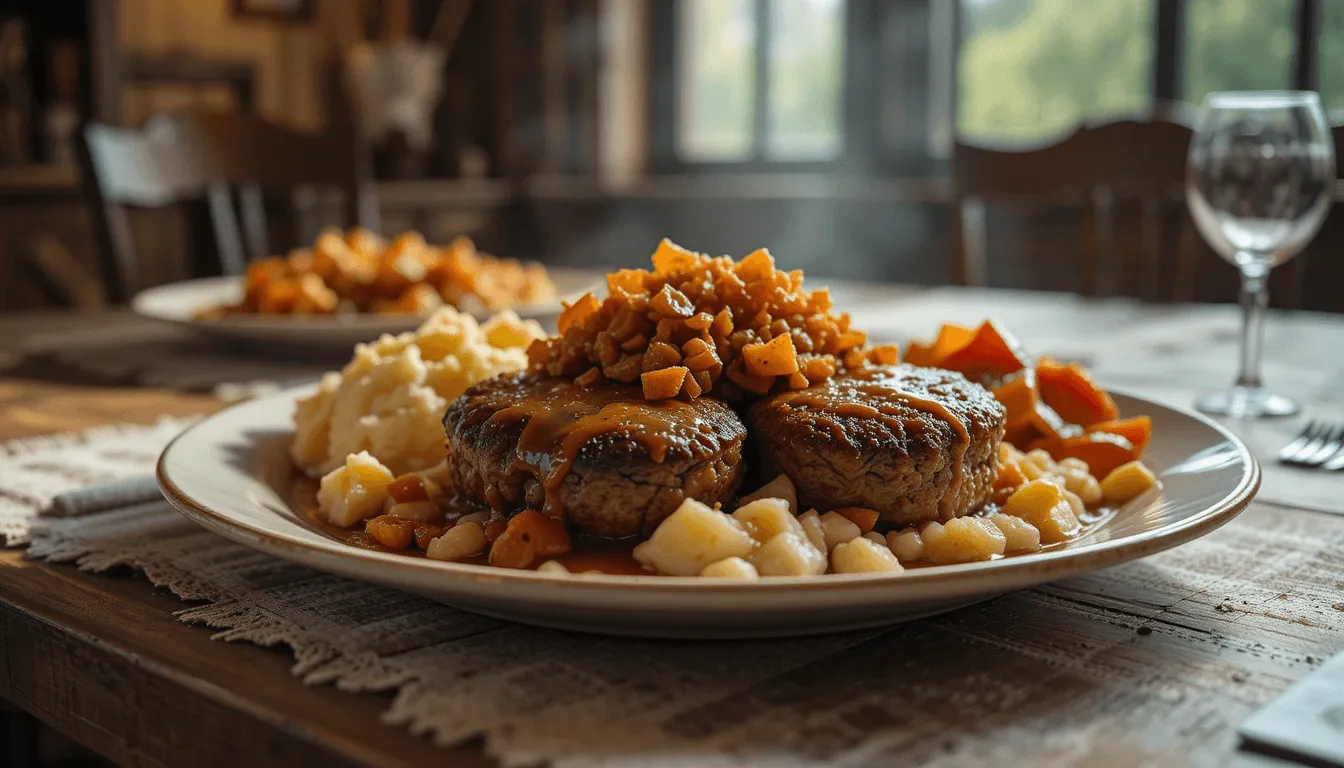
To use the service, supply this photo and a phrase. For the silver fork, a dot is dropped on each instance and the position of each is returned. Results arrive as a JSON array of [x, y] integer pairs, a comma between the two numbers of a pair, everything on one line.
[[1319, 444]]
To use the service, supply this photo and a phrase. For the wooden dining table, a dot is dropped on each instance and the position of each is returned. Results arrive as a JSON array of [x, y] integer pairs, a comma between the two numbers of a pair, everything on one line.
[[1163, 658]]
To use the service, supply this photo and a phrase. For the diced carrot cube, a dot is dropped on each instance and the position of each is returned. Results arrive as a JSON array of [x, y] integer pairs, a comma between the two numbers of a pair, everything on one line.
[[886, 354], [665, 383], [574, 314], [757, 265], [670, 258], [776, 357], [391, 532]]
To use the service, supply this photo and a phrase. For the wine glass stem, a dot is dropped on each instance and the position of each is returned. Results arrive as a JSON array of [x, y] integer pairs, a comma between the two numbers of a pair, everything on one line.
[[1254, 304]]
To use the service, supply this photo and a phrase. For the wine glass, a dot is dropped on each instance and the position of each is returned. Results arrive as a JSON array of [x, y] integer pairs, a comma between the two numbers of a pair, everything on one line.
[[1260, 178]]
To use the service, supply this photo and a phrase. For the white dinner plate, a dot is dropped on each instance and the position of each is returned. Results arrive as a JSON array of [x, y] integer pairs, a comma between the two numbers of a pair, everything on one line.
[[180, 302], [231, 474]]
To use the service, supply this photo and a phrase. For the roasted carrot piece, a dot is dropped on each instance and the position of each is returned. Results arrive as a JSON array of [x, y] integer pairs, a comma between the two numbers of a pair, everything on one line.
[[991, 351], [391, 532], [861, 516], [1103, 451], [950, 339], [1137, 430], [1029, 418], [1071, 392], [1019, 396], [529, 535]]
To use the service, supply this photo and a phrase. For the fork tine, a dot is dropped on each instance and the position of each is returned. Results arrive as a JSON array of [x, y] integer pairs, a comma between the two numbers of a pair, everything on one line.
[[1328, 448], [1292, 449], [1319, 437], [1335, 464]]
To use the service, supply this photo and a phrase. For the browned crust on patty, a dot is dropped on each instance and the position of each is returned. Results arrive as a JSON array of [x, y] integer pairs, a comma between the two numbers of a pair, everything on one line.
[[616, 486], [903, 464]]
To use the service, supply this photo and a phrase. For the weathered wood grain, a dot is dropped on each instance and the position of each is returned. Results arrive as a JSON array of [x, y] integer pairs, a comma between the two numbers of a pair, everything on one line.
[[102, 659]]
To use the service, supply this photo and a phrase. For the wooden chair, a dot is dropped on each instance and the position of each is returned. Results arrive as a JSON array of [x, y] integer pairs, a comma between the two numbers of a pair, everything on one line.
[[1113, 174], [184, 157]]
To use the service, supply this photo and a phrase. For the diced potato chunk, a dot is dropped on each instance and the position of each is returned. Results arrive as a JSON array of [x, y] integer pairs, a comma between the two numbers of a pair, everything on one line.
[[355, 491], [457, 543], [766, 518], [1078, 480], [1128, 481], [1042, 459], [692, 537], [788, 554], [838, 529], [863, 555], [811, 523], [419, 511], [962, 540], [779, 488], [480, 518], [1020, 535], [877, 537], [1044, 505], [1075, 503], [731, 568], [907, 546], [552, 566]]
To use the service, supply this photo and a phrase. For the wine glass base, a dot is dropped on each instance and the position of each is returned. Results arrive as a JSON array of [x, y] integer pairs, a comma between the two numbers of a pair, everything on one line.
[[1247, 403]]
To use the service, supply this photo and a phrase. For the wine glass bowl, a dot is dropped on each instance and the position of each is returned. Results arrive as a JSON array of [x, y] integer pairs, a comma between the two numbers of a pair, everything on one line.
[[1259, 183]]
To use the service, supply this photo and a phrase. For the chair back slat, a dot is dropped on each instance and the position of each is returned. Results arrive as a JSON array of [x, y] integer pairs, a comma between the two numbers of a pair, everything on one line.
[[179, 158], [1119, 176], [252, 214], [228, 240]]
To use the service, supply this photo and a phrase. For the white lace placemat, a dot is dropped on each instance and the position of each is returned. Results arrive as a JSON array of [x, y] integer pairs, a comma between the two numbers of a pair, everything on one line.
[[1052, 676]]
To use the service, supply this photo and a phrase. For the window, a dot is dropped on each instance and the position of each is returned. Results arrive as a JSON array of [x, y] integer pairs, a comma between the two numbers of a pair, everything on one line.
[[806, 44], [870, 85], [756, 80], [1237, 45], [718, 84], [1332, 56], [1031, 69]]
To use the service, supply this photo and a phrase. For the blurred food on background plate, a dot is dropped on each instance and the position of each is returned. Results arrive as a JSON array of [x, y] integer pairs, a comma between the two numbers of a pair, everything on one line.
[[360, 272]]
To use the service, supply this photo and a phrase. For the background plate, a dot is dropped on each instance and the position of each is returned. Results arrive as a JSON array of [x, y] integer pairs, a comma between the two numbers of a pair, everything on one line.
[[179, 302], [231, 474]]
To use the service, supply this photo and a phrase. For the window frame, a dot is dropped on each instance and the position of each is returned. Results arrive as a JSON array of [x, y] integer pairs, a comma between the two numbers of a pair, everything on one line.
[[861, 93], [864, 149], [665, 115]]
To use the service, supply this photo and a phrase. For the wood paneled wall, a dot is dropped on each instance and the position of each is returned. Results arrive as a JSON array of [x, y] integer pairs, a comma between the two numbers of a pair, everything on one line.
[[287, 58]]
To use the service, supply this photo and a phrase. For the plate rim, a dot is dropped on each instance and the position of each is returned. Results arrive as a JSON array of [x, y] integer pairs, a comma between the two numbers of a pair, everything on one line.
[[1011, 572]]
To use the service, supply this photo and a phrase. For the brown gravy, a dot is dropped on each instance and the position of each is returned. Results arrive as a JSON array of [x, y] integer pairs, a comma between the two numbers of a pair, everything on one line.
[[876, 393], [559, 419]]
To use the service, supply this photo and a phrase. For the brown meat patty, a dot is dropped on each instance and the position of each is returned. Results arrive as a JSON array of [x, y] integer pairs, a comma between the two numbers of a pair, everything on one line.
[[603, 458], [914, 444]]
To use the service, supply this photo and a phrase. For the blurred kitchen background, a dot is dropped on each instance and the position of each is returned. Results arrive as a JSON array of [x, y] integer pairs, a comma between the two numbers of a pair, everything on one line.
[[579, 132]]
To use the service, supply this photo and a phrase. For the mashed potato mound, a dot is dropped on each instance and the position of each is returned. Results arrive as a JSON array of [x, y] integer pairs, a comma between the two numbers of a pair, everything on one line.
[[390, 399]]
